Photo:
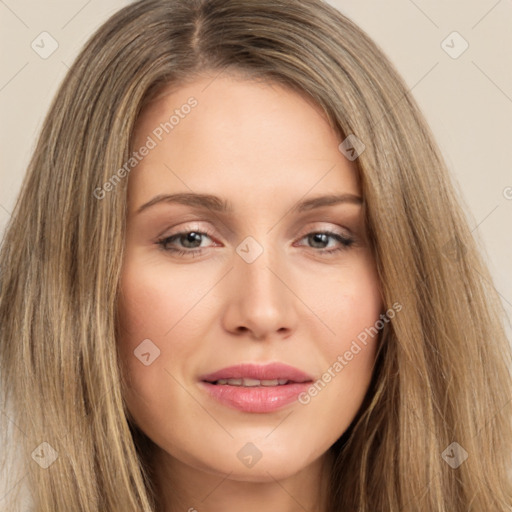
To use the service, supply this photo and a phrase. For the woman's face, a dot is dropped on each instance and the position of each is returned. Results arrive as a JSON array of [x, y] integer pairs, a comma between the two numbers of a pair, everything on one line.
[[255, 267]]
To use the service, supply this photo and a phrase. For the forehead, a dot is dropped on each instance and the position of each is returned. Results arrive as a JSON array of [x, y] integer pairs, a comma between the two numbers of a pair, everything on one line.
[[241, 137]]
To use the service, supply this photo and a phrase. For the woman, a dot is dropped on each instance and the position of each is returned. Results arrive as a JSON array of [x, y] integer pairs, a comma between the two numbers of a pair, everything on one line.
[[259, 369]]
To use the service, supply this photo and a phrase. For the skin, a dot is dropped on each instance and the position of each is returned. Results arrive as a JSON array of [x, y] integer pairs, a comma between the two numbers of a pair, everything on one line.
[[264, 148]]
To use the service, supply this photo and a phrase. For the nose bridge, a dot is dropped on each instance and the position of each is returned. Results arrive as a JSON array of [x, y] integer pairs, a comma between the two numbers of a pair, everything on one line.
[[261, 301], [256, 266]]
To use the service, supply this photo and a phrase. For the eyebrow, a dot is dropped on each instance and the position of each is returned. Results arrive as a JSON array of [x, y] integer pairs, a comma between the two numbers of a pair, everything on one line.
[[217, 204]]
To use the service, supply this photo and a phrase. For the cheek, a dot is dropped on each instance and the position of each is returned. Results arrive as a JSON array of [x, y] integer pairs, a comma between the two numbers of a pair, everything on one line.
[[154, 298], [143, 313], [349, 304], [157, 330], [351, 308], [146, 298]]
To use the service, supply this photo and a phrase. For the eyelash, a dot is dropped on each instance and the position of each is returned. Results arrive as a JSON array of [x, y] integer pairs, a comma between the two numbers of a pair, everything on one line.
[[163, 242]]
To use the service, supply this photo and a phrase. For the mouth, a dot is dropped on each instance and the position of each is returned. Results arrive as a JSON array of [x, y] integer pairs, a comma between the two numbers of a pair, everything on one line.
[[256, 388]]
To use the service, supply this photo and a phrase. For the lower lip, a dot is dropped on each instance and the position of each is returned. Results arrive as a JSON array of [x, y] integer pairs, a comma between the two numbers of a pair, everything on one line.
[[257, 398]]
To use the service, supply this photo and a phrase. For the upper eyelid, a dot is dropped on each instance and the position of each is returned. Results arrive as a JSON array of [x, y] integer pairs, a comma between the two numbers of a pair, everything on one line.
[[209, 231], [193, 225]]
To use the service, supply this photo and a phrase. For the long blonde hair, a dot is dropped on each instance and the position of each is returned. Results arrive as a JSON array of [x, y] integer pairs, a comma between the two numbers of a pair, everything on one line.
[[442, 374]]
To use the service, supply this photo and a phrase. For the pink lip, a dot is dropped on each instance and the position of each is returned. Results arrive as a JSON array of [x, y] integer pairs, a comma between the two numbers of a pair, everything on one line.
[[257, 399], [261, 372]]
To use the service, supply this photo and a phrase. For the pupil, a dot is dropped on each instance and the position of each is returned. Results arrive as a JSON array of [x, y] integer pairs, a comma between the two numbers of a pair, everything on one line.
[[192, 237], [320, 237]]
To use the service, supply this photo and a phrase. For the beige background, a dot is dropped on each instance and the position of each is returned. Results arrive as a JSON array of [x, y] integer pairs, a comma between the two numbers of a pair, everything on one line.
[[467, 100]]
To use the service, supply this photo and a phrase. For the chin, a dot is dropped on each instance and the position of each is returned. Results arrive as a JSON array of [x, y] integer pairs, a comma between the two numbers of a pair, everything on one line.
[[273, 465]]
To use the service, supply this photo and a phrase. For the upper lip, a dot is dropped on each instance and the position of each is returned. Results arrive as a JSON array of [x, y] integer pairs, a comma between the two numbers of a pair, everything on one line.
[[269, 371]]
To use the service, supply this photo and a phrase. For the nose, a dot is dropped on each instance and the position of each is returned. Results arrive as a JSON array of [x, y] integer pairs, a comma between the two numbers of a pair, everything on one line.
[[260, 300]]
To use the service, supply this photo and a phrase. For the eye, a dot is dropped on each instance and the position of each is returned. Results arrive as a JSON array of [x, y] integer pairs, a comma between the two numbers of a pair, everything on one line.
[[189, 240], [323, 238], [190, 243]]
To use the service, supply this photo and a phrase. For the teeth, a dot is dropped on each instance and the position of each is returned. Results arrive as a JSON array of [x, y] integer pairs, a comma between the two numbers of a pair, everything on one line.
[[252, 382], [273, 382], [234, 382]]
